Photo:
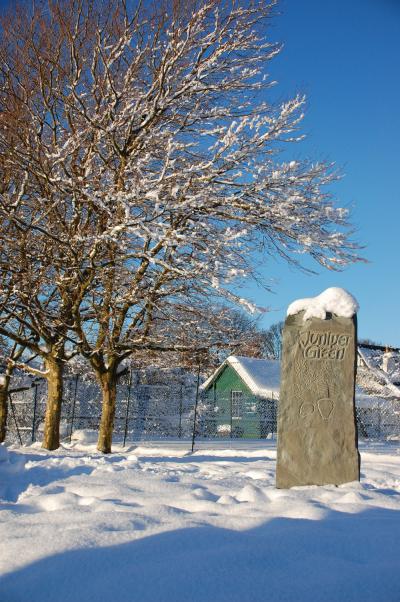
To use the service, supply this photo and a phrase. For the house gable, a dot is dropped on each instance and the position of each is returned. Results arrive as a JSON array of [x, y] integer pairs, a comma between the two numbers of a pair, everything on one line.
[[229, 380]]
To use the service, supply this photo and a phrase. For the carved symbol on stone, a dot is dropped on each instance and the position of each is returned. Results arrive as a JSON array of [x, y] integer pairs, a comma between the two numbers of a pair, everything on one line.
[[306, 409], [325, 407]]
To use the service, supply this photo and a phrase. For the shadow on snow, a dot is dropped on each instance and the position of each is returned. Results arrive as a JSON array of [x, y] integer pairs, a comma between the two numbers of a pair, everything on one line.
[[344, 557]]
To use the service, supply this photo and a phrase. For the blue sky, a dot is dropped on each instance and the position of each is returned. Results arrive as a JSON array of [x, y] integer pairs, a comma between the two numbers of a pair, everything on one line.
[[345, 56]]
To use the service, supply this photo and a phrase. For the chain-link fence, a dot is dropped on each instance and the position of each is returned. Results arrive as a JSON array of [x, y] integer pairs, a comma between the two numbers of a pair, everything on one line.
[[143, 411], [167, 410], [379, 422], [170, 409]]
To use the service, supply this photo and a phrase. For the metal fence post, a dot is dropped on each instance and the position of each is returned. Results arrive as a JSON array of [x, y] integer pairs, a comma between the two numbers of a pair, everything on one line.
[[127, 408], [273, 427], [15, 418], [73, 407], [34, 413], [379, 422], [195, 408], [180, 413], [231, 423]]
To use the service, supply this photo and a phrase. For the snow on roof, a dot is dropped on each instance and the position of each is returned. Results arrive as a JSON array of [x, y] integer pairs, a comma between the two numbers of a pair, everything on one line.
[[261, 376], [379, 374], [333, 300]]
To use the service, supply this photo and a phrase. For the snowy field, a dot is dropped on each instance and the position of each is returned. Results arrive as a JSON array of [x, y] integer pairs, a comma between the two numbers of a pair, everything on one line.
[[155, 523]]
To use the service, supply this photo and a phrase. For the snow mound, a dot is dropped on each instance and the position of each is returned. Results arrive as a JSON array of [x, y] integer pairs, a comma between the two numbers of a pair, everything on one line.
[[85, 436], [334, 300], [250, 493]]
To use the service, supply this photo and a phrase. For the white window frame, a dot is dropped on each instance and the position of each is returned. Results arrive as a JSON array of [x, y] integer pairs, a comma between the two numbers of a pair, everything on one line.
[[236, 404]]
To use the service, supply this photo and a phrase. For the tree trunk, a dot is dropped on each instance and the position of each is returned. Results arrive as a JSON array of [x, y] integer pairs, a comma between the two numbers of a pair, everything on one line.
[[3, 407], [108, 382], [51, 438]]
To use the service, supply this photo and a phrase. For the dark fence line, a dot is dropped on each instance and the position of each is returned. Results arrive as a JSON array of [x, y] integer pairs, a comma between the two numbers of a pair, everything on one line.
[[174, 410]]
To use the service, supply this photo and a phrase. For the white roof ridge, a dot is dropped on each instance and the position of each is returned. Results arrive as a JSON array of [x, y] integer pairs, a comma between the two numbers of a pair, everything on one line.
[[214, 375]]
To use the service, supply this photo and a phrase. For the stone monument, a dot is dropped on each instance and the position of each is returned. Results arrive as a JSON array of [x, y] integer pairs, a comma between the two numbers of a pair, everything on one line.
[[317, 431]]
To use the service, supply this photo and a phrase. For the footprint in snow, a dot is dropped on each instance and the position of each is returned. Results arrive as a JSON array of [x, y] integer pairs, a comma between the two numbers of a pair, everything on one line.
[[203, 494], [227, 500]]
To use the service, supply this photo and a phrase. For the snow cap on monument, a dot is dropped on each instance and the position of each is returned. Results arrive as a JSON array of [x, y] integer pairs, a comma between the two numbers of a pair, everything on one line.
[[333, 300]]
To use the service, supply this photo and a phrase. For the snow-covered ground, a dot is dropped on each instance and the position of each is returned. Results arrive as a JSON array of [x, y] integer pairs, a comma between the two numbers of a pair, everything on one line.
[[155, 523]]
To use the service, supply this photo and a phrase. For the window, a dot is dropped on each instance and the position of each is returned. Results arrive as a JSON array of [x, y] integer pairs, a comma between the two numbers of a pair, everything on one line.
[[237, 404]]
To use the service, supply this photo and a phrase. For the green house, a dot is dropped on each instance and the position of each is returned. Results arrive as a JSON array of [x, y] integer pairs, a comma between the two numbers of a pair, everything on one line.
[[243, 394]]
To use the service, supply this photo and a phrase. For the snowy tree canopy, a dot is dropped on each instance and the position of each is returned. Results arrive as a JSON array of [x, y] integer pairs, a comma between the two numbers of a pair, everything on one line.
[[141, 174]]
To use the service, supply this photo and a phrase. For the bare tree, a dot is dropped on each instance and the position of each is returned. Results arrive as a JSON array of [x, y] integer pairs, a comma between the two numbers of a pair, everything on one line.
[[35, 310], [243, 336], [10, 353], [272, 341], [142, 160], [46, 235]]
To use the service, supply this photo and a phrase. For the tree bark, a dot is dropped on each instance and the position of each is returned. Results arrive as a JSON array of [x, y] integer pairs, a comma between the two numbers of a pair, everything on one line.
[[108, 381], [51, 438], [4, 407]]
